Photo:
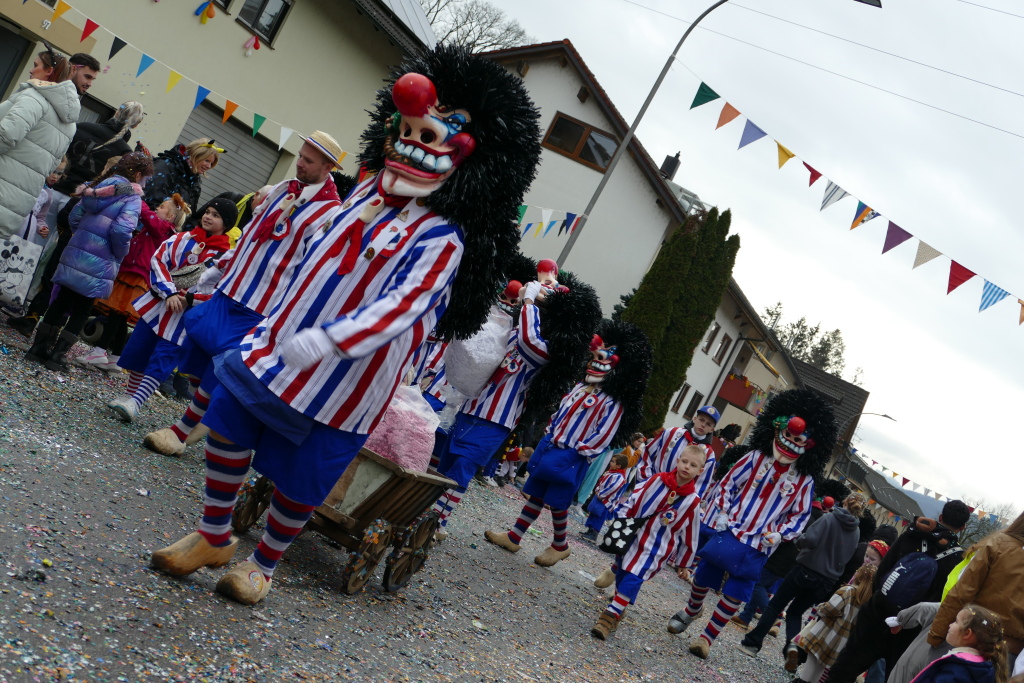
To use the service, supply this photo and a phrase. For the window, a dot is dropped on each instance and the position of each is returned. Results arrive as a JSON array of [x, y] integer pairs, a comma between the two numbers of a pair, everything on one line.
[[94, 111], [264, 17], [710, 339], [723, 348], [225, 4], [577, 140], [680, 397], [694, 404]]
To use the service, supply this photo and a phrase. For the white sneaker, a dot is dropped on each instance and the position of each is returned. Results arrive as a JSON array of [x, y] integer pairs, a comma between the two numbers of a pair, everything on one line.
[[93, 356], [490, 482], [110, 364], [125, 408]]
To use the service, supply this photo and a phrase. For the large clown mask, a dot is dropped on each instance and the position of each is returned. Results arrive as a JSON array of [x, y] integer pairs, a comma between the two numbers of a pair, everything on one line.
[[792, 439], [427, 140], [508, 300], [602, 360]]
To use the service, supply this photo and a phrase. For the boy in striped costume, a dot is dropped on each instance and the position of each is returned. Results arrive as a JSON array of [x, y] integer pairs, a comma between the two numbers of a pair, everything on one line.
[[310, 382], [609, 489], [589, 419], [153, 349], [660, 455], [247, 282], [763, 500], [670, 502]]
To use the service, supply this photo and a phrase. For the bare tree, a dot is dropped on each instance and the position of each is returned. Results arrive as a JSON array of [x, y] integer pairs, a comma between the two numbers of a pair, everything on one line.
[[979, 527], [476, 24], [823, 349]]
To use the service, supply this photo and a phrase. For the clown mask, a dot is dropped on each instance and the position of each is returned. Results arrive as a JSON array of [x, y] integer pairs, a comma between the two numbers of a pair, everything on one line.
[[427, 140], [792, 439], [508, 300], [602, 360]]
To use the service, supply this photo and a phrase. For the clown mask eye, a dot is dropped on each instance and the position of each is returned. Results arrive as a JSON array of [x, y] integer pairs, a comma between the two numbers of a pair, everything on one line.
[[455, 123]]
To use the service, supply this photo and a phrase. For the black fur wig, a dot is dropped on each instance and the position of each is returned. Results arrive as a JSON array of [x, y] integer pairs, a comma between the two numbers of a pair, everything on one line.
[[484, 194], [519, 267], [821, 426], [568, 321], [627, 381], [830, 487]]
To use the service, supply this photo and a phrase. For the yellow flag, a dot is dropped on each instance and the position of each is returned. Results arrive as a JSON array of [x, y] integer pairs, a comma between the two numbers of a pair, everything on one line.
[[784, 154], [60, 9], [172, 80]]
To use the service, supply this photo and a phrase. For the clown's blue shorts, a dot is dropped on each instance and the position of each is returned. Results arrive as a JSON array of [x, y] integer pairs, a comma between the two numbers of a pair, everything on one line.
[[218, 325], [724, 553], [555, 474], [149, 353]]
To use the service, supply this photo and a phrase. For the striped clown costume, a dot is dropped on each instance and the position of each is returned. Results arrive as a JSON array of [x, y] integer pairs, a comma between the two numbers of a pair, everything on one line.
[[607, 493], [660, 456]]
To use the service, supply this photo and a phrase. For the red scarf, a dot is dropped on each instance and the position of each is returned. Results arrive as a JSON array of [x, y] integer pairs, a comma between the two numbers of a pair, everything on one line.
[[219, 243], [669, 480]]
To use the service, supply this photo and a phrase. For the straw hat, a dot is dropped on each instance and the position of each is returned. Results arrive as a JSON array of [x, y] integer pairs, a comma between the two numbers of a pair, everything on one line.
[[327, 145]]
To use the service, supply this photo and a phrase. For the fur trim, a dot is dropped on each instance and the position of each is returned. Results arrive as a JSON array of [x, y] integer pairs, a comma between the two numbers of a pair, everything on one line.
[[821, 423], [483, 196], [627, 381]]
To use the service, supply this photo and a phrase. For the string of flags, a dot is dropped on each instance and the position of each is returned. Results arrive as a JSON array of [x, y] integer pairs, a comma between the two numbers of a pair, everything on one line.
[[895, 235], [566, 223], [175, 77]]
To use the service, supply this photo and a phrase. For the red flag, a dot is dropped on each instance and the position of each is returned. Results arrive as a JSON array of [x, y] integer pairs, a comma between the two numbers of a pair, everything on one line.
[[957, 276], [905, 480], [90, 26], [814, 174]]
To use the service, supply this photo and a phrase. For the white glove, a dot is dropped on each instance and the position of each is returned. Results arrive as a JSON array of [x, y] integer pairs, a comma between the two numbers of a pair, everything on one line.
[[892, 622], [532, 291], [721, 522], [208, 280], [771, 540], [307, 347]]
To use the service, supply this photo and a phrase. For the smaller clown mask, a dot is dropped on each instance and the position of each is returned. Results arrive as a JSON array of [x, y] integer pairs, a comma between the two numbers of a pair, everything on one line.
[[508, 300], [602, 360], [792, 438], [427, 140]]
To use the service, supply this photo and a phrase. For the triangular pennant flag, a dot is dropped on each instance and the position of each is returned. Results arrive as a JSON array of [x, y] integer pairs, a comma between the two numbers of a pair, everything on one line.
[[895, 474], [522, 213], [87, 30], [172, 80], [540, 226], [864, 214], [257, 122], [925, 254], [991, 295], [229, 109], [201, 94], [938, 496], [751, 133], [115, 47], [60, 9], [814, 174], [894, 237], [905, 480], [981, 513], [1020, 319], [548, 228], [545, 218], [729, 112], [144, 64], [570, 218], [833, 193], [784, 154], [915, 486], [286, 133], [874, 462], [703, 96], [575, 223], [526, 229], [971, 508], [957, 276]]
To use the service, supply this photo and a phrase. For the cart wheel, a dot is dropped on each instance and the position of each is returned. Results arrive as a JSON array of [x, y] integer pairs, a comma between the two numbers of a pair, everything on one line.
[[397, 574], [422, 538], [376, 540], [408, 558], [253, 501]]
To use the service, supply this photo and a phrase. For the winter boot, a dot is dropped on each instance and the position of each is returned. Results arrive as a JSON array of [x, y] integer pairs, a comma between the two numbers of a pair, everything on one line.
[[25, 324], [245, 584], [191, 553], [605, 626], [46, 334], [56, 360]]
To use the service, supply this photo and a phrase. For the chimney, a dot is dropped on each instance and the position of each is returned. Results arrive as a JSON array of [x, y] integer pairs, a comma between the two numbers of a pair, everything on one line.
[[669, 167]]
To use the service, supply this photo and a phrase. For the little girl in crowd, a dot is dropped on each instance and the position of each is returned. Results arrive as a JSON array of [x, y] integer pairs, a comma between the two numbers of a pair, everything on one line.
[[607, 494], [36, 230], [979, 652]]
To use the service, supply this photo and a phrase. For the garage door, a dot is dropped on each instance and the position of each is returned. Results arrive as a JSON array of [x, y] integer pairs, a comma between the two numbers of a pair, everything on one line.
[[249, 160]]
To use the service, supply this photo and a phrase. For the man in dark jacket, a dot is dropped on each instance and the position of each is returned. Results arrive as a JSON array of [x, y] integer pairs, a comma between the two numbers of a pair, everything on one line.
[[871, 638]]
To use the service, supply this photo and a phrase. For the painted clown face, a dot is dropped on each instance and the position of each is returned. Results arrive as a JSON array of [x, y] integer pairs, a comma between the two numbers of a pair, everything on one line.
[[602, 360], [427, 140], [508, 300], [792, 438]]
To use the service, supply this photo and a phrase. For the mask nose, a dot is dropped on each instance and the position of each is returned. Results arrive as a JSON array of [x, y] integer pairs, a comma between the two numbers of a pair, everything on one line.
[[422, 130]]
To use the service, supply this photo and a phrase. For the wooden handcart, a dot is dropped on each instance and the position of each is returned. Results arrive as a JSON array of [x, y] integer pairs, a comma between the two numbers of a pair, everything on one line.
[[374, 506]]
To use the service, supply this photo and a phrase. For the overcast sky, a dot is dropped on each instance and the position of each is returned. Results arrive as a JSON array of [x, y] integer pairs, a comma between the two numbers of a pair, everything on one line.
[[951, 376]]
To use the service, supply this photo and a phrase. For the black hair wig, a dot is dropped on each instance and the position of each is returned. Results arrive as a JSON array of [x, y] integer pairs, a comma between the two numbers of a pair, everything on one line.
[[821, 426], [568, 321], [627, 381], [830, 487], [519, 267], [343, 182], [730, 457], [484, 194]]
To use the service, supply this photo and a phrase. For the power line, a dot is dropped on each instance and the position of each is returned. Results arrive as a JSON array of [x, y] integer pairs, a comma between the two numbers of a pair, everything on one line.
[[992, 9]]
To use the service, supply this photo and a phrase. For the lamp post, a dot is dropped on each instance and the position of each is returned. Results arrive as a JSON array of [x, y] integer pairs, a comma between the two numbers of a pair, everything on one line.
[[624, 144], [847, 445]]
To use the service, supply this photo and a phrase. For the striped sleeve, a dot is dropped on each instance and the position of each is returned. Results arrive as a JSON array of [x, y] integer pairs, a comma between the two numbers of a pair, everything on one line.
[[529, 342], [654, 453], [608, 487], [792, 522], [729, 490], [705, 478], [689, 536], [600, 437], [165, 259]]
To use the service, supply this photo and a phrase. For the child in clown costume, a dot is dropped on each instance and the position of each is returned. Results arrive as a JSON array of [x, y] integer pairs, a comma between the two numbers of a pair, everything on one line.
[[416, 247], [660, 455], [599, 411], [764, 499]]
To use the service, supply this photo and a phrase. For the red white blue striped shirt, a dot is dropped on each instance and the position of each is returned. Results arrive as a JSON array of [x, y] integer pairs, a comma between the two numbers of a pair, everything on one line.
[[671, 532], [183, 249], [378, 314], [257, 273], [759, 499], [661, 454], [585, 421], [502, 400], [610, 487], [428, 359]]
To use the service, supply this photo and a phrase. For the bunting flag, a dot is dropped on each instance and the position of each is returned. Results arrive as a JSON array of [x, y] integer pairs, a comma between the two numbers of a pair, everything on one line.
[[286, 133], [938, 496], [229, 109], [526, 228], [144, 64], [894, 237], [814, 174], [704, 95], [925, 254], [522, 213], [545, 218], [833, 193], [540, 226], [915, 486], [172, 80], [751, 133], [575, 223], [729, 113], [895, 474], [863, 215], [257, 122], [991, 295], [115, 47], [547, 229], [957, 276], [874, 462], [784, 155], [570, 218], [201, 94], [59, 9], [927, 491], [87, 30]]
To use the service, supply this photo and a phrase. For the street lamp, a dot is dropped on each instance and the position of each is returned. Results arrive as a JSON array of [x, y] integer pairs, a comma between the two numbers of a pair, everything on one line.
[[888, 417], [621, 149]]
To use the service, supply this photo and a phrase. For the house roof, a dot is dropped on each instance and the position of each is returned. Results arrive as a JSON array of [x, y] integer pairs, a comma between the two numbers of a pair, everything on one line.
[[882, 491], [564, 49], [847, 399], [767, 335], [403, 21]]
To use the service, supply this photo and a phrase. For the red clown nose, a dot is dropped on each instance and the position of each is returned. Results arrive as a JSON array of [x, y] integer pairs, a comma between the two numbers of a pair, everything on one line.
[[512, 289], [413, 94], [828, 502], [796, 426]]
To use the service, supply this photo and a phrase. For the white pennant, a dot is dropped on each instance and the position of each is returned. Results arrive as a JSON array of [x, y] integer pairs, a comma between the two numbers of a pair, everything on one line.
[[545, 217], [833, 193], [286, 133]]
